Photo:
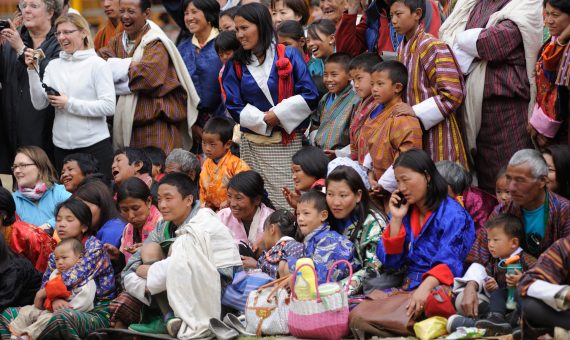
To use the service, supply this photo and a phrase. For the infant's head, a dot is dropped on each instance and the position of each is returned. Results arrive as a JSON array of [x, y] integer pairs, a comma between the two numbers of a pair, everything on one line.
[[67, 253]]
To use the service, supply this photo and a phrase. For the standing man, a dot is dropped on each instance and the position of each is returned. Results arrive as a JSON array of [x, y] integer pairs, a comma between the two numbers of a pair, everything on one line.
[[113, 25], [157, 99]]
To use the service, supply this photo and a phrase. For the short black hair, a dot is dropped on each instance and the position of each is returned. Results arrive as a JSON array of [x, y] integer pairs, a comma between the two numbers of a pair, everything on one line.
[[413, 5], [251, 184], [144, 5], [86, 162], [136, 155], [220, 126], [231, 12], [511, 225], [365, 62], [316, 197], [397, 72], [312, 160], [210, 8], [285, 221], [7, 207], [226, 41], [260, 16], [325, 26], [340, 58], [182, 182], [291, 29], [156, 155], [75, 244], [133, 187], [563, 5]]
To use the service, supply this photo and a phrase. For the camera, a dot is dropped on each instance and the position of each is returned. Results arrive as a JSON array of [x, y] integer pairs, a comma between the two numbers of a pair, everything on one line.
[[50, 90], [4, 24]]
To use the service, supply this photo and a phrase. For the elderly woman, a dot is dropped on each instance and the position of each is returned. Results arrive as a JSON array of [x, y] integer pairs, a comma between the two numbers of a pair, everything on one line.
[[22, 124], [180, 160]]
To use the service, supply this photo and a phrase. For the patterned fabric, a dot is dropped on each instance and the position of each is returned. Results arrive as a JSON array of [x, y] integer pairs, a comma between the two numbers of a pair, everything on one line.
[[31, 242], [444, 239], [132, 236], [553, 266], [358, 147], [94, 264], [334, 120], [161, 106], [563, 76], [433, 72], [507, 91], [387, 135], [558, 226], [126, 308], [479, 204], [215, 177], [105, 34], [500, 274], [326, 247], [269, 261], [365, 241]]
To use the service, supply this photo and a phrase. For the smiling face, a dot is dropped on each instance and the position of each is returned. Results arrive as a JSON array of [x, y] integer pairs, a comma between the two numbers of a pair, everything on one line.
[[333, 9], [195, 20], [121, 169], [500, 244], [243, 207], [71, 176], [70, 37], [25, 171], [405, 21], [111, 9], [68, 226], [133, 17], [135, 211], [65, 257], [362, 82], [322, 46], [35, 14], [524, 188], [555, 20], [552, 182], [383, 89], [172, 205], [281, 13], [309, 217], [246, 33], [341, 199], [413, 185], [336, 77]]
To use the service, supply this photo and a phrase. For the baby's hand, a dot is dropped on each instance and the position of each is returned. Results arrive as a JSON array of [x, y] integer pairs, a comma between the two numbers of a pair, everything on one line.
[[491, 284]]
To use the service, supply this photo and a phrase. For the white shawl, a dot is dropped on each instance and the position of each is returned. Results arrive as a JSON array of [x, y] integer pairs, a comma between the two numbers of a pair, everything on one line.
[[126, 106], [527, 15]]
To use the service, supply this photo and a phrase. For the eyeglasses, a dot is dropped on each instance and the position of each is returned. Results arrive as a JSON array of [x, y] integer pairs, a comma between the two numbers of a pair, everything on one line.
[[33, 5], [22, 166], [65, 33]]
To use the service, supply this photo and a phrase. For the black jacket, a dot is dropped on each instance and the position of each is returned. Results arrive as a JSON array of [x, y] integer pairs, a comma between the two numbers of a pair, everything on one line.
[[20, 123]]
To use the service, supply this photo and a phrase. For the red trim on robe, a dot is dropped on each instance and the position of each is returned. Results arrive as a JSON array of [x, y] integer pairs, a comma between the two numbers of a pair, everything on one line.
[[442, 273]]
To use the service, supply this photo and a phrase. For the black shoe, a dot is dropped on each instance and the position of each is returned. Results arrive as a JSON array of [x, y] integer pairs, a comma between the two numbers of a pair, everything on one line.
[[495, 324]]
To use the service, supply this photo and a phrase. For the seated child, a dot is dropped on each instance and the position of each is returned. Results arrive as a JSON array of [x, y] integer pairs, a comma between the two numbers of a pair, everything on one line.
[[322, 244], [334, 112], [157, 158], [502, 187], [279, 234], [505, 233], [31, 321], [361, 73], [221, 165], [387, 133]]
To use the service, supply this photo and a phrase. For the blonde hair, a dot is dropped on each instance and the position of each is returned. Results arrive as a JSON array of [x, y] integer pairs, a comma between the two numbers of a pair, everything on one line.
[[48, 175], [81, 24]]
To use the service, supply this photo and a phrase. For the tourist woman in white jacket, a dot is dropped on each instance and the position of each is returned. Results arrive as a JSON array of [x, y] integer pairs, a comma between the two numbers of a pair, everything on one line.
[[85, 94]]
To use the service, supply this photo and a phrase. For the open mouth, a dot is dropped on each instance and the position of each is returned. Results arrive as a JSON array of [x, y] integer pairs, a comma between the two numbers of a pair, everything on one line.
[[66, 180], [329, 12], [115, 173]]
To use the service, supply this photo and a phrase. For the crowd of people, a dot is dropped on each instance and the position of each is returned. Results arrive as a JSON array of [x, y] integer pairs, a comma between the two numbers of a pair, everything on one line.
[[426, 142]]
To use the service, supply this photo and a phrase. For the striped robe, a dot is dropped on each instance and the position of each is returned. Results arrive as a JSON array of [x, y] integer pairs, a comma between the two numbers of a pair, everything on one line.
[[161, 106], [358, 147], [334, 121], [435, 91]]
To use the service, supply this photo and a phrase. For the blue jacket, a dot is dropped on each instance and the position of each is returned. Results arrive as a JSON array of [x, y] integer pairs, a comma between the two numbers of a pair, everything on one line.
[[111, 232], [204, 66], [445, 238], [44, 211]]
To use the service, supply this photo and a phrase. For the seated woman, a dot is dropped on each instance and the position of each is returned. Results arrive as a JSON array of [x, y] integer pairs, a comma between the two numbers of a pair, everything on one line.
[[248, 208], [76, 167], [38, 192], [23, 238], [74, 221], [353, 216], [429, 233], [309, 169], [557, 158]]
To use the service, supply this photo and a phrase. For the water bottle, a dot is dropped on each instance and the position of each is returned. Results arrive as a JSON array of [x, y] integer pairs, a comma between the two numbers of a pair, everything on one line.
[[308, 274], [302, 290], [512, 264]]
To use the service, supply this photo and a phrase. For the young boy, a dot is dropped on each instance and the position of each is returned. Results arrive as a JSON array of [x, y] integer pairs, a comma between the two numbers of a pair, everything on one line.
[[323, 245], [505, 234], [334, 112], [386, 133], [360, 73], [436, 87], [221, 165], [32, 321]]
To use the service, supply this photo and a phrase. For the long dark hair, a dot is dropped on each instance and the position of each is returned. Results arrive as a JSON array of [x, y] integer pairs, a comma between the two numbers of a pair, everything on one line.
[[258, 15], [6, 255], [251, 184], [210, 8], [133, 187], [561, 158], [420, 162], [354, 181], [94, 191], [80, 210]]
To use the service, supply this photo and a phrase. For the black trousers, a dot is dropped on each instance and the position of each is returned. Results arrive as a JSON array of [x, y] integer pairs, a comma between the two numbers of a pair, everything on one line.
[[539, 314], [102, 151], [498, 301]]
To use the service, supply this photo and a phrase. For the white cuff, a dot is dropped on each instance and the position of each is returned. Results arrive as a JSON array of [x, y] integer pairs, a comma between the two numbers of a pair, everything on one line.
[[367, 162], [476, 272], [119, 68], [344, 152], [464, 59], [467, 41], [312, 136], [122, 88], [546, 292], [252, 118], [388, 180], [135, 286], [156, 277], [292, 112], [428, 112]]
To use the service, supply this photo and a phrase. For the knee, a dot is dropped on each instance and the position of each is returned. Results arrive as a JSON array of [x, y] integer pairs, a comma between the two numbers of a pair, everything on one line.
[[151, 252]]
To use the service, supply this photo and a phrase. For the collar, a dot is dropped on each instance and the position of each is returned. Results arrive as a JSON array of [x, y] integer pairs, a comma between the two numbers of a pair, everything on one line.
[[285, 239], [323, 227], [213, 34], [419, 31]]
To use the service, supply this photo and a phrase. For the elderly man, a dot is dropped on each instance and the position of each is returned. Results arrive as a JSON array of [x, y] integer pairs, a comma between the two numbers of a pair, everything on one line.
[[180, 160], [545, 217], [112, 27], [157, 99]]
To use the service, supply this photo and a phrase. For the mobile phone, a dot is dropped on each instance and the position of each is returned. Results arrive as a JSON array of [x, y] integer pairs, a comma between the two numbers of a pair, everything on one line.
[[402, 200], [4, 24], [50, 90]]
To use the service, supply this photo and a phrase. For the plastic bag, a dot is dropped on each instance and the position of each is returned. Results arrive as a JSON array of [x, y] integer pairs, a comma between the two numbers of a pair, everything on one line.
[[430, 328]]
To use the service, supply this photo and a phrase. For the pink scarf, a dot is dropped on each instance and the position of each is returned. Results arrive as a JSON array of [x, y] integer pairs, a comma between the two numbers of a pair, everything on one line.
[[35, 193], [152, 220]]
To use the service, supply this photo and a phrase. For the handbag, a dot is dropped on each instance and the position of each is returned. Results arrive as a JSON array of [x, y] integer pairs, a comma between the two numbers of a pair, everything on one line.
[[382, 314], [325, 317], [439, 303], [235, 295], [267, 308]]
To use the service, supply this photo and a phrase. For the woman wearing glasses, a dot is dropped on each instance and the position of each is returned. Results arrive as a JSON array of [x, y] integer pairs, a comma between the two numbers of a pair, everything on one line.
[[37, 194], [85, 94], [20, 122]]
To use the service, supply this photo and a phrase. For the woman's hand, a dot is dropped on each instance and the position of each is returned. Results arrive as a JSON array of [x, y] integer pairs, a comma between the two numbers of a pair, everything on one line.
[[331, 154], [112, 251], [29, 59], [564, 36], [270, 118], [249, 262], [513, 279], [397, 209], [292, 197], [470, 302], [40, 298], [142, 270], [12, 36], [60, 304], [418, 301], [58, 101]]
